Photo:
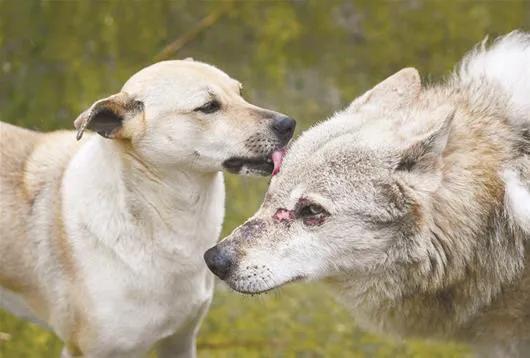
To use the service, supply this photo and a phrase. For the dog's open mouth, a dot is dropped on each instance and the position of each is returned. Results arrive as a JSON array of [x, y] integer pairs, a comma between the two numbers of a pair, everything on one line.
[[258, 165]]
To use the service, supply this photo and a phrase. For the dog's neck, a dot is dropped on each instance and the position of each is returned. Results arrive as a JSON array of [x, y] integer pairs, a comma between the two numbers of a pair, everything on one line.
[[151, 192], [183, 186], [130, 206]]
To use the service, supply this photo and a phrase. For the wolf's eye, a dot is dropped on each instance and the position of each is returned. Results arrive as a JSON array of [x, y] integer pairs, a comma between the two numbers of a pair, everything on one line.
[[311, 210], [209, 107], [313, 214]]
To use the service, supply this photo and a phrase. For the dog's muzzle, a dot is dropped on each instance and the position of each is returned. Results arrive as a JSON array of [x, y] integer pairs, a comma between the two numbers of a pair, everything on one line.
[[282, 128]]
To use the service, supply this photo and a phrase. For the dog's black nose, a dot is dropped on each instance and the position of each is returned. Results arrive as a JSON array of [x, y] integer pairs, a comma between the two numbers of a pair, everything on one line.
[[218, 262], [284, 126]]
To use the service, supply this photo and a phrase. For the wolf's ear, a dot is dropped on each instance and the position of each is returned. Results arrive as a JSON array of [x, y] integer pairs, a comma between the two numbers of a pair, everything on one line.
[[425, 153], [108, 115], [395, 92]]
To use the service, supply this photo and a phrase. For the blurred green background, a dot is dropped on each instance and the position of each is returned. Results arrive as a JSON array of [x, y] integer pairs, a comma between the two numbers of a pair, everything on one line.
[[305, 58]]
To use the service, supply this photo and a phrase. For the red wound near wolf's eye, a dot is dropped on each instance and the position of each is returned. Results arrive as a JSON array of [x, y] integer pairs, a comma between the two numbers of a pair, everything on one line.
[[283, 215]]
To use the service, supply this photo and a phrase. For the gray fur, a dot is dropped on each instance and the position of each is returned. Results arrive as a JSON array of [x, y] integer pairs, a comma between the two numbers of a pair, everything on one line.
[[428, 196]]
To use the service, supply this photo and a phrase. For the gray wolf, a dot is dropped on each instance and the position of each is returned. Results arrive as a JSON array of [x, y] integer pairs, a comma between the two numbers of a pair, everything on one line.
[[413, 204], [101, 239]]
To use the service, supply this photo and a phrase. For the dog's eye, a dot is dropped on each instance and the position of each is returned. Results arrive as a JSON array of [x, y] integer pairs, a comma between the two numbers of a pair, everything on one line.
[[209, 107], [311, 210]]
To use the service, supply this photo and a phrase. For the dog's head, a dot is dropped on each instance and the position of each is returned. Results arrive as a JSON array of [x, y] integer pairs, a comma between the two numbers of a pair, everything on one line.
[[190, 114], [351, 193]]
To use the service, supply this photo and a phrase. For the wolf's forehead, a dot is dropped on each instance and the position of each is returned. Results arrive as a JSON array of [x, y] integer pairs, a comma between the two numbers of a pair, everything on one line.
[[358, 139], [329, 173], [345, 155]]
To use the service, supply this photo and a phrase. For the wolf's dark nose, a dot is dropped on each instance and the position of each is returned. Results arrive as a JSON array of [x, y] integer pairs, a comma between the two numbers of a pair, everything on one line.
[[284, 126], [218, 262]]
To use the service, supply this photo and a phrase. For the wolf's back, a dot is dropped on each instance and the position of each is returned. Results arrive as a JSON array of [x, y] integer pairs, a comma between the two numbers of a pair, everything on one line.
[[497, 81], [505, 64]]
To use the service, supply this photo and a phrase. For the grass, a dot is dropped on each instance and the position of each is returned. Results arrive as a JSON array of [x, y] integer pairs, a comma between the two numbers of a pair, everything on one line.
[[299, 321]]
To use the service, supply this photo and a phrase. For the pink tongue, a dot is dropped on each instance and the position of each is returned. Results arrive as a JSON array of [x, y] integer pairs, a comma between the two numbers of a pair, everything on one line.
[[277, 158]]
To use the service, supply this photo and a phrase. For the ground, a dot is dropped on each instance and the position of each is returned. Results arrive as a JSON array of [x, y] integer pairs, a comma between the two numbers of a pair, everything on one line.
[[301, 320]]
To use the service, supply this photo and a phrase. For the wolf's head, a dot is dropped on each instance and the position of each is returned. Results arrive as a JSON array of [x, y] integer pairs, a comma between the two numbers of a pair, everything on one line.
[[190, 114], [351, 194]]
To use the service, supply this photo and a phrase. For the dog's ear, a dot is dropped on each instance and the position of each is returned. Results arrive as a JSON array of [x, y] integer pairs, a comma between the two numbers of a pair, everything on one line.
[[425, 153], [393, 93], [108, 115]]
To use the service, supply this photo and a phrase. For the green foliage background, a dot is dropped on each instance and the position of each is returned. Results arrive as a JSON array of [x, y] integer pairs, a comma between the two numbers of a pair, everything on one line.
[[305, 58]]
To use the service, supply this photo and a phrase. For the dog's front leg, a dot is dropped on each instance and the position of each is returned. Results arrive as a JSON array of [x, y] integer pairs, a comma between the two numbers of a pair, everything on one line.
[[179, 345], [65, 353], [182, 344]]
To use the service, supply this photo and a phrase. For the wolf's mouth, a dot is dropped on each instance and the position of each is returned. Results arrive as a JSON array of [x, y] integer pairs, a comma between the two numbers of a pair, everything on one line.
[[257, 165], [259, 287]]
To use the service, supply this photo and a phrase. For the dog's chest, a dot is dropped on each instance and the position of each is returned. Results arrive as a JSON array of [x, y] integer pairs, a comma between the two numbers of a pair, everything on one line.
[[143, 276], [163, 292], [147, 311]]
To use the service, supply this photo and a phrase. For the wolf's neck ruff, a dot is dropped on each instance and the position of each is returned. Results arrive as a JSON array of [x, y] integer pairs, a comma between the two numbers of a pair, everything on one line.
[[475, 254]]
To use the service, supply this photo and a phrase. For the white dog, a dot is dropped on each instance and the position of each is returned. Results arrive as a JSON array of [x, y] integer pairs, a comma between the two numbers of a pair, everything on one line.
[[413, 203], [102, 240]]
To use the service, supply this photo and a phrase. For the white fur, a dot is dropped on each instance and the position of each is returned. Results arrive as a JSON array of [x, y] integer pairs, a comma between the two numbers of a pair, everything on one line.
[[507, 64], [517, 199], [151, 288]]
